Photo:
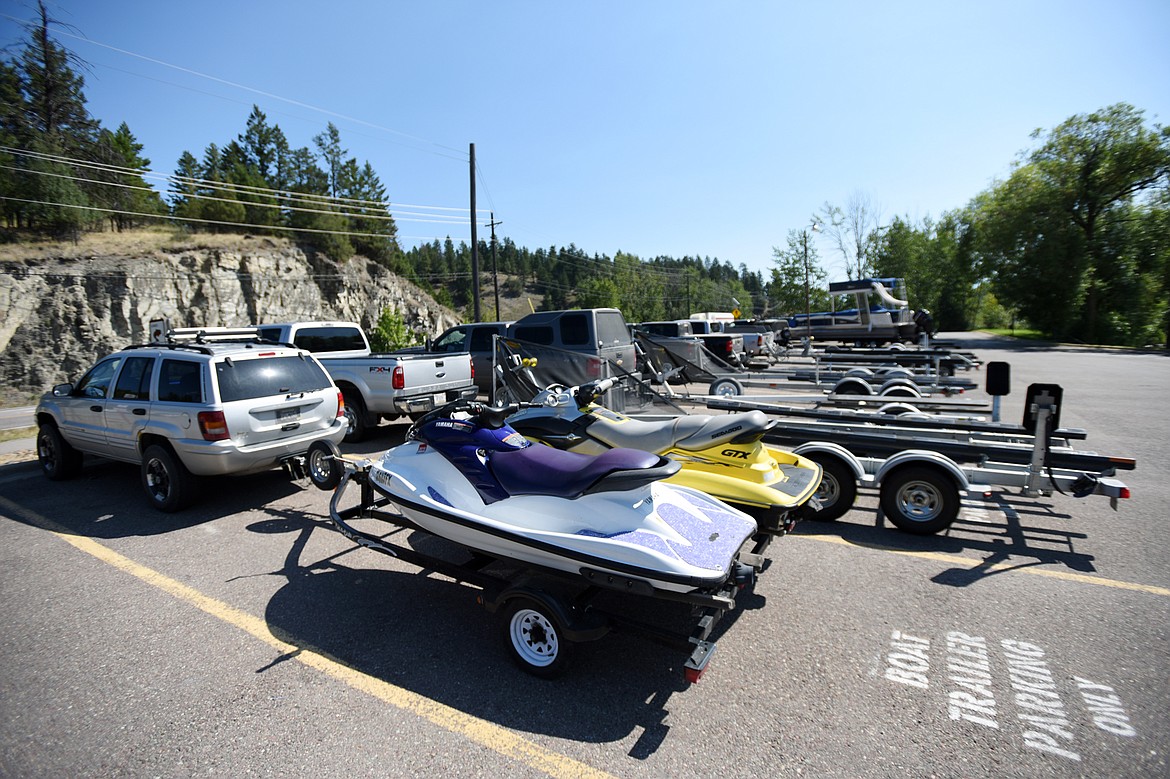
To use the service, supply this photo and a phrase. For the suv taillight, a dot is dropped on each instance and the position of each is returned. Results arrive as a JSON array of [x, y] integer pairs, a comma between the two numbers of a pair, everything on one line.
[[213, 426], [398, 381], [340, 404]]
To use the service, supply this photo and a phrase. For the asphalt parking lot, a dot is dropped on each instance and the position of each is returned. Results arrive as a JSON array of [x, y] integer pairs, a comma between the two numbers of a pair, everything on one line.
[[244, 636]]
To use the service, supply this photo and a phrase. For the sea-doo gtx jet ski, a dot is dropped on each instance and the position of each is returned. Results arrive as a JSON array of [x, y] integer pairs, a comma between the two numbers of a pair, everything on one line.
[[722, 455]]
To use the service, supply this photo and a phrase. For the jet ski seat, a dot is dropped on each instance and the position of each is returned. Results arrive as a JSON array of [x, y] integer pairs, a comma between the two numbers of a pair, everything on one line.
[[691, 433], [542, 470]]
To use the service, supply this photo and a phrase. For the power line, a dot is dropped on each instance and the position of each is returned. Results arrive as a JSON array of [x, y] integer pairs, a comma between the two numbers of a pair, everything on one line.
[[195, 220], [145, 173], [244, 87]]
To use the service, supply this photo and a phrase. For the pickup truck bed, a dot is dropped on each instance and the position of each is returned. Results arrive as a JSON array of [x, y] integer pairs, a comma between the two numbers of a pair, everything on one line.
[[378, 386]]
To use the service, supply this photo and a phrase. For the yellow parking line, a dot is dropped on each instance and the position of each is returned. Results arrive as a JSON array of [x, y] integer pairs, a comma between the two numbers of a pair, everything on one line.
[[973, 563], [494, 737]]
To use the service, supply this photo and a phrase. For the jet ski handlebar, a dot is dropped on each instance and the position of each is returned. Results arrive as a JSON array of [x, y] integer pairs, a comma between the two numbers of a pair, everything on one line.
[[489, 416], [582, 395]]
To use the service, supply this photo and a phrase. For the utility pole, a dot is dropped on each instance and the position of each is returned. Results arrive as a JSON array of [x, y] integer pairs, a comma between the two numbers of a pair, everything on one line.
[[808, 339], [474, 242], [495, 278]]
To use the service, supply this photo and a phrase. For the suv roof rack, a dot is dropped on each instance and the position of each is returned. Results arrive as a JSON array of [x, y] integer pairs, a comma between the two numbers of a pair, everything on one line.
[[161, 334]]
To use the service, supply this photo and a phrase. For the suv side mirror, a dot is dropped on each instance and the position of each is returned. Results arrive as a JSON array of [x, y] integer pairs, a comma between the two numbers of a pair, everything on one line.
[[63, 390]]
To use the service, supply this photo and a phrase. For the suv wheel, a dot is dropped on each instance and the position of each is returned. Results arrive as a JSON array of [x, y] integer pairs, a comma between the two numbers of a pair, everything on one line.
[[58, 459], [168, 484]]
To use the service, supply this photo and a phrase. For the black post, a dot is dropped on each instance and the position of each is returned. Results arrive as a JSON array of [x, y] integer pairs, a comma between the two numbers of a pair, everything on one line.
[[495, 278], [474, 242]]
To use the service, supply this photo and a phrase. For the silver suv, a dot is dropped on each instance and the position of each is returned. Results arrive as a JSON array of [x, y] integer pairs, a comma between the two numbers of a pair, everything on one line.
[[182, 410]]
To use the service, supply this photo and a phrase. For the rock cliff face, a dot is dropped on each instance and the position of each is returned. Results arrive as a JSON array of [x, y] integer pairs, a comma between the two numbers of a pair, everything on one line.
[[61, 309]]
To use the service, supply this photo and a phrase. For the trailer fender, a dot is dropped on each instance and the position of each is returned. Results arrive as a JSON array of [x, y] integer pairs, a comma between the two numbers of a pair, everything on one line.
[[840, 474], [835, 450], [901, 388], [924, 457], [577, 626], [853, 385]]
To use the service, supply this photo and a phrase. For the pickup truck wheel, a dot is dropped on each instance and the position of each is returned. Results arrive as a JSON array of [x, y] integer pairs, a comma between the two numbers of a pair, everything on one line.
[[59, 461], [168, 483], [355, 418], [837, 491], [920, 500], [325, 470]]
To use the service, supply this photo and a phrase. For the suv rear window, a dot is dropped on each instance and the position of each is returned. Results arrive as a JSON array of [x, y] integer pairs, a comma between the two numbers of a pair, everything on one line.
[[179, 382], [266, 376]]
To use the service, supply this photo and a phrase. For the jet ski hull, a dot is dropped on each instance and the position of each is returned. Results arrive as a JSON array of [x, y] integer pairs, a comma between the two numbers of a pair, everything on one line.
[[674, 538]]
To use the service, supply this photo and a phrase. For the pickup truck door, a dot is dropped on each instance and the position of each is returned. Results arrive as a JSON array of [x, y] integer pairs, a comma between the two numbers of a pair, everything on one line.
[[83, 411], [128, 409]]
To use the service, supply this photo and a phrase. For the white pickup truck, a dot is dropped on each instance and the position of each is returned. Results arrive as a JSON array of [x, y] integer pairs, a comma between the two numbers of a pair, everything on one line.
[[377, 386]]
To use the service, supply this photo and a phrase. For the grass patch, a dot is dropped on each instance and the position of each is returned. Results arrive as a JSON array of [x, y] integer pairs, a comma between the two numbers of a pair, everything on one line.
[[14, 435], [1027, 335]]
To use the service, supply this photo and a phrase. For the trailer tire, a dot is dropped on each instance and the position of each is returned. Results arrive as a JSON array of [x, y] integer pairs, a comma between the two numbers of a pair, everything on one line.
[[837, 490], [725, 388], [536, 638], [325, 470], [920, 500]]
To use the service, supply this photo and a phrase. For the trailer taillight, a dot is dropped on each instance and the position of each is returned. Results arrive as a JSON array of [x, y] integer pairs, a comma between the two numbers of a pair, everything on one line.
[[398, 381], [693, 675], [213, 426], [340, 404]]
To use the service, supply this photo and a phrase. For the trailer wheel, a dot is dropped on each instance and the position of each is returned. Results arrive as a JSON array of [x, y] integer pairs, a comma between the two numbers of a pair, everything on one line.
[[838, 488], [726, 388], [920, 500], [536, 639], [355, 418], [325, 470]]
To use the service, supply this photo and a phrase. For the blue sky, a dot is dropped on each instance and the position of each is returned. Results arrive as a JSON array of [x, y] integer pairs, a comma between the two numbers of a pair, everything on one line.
[[676, 128]]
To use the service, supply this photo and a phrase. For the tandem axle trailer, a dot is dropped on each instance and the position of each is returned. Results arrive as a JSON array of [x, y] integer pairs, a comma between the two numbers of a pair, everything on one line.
[[922, 467]]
